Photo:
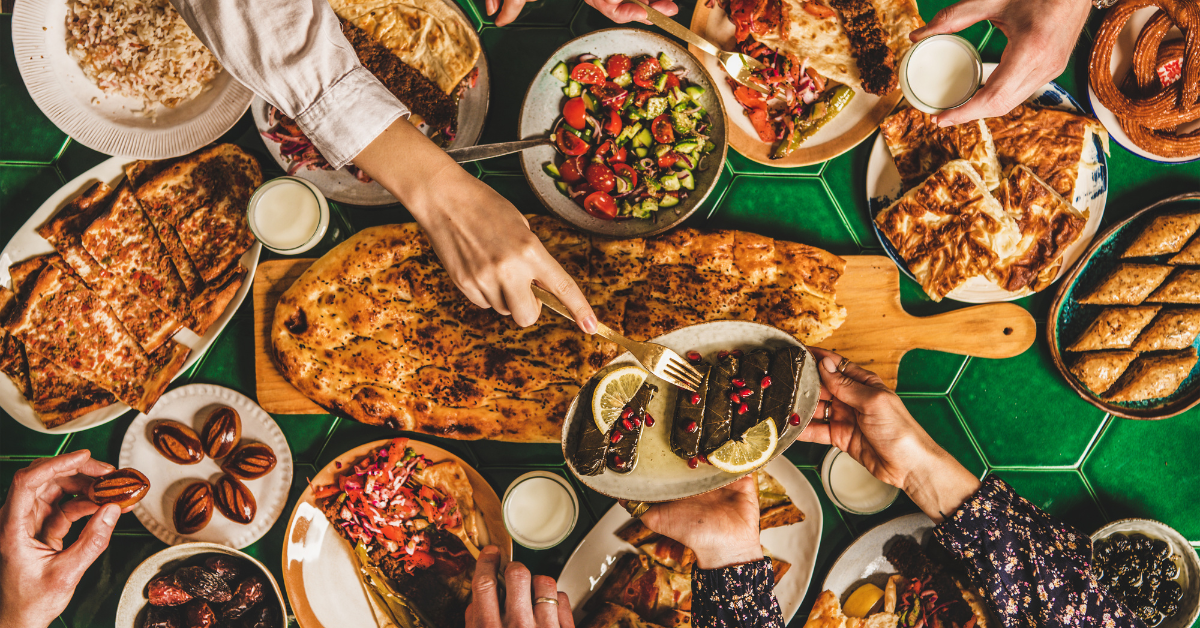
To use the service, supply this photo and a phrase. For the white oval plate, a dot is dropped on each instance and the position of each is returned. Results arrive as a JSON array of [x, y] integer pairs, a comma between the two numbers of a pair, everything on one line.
[[65, 95], [1119, 66], [191, 406], [662, 476], [27, 243], [1091, 193], [1185, 558], [796, 543], [864, 561]]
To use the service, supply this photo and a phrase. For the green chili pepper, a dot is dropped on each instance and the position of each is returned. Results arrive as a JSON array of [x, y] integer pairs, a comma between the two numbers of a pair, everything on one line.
[[803, 128]]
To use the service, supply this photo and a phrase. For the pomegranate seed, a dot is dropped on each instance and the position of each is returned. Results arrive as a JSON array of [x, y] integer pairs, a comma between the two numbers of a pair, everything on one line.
[[766, 381], [721, 355], [735, 397], [693, 462], [794, 419], [618, 460], [737, 353], [649, 421], [740, 383], [695, 398], [694, 356], [627, 424], [627, 413], [637, 421], [743, 408], [704, 459], [616, 437], [745, 392], [692, 427]]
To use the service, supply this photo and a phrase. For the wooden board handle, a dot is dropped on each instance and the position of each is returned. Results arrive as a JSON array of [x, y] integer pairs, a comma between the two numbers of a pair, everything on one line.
[[998, 330]]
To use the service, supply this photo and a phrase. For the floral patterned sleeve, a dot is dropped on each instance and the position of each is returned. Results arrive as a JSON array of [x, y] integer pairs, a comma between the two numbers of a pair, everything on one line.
[[735, 597], [1034, 569]]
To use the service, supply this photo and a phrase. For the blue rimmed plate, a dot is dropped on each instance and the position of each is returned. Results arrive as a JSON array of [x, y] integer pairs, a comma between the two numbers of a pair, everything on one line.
[[1091, 193], [1069, 318]]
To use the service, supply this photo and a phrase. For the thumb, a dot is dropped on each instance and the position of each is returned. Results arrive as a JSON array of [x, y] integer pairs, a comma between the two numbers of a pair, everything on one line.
[[953, 18], [91, 543], [843, 387]]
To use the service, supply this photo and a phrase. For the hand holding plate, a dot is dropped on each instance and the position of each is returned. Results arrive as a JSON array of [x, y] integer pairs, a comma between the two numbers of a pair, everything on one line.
[[721, 526]]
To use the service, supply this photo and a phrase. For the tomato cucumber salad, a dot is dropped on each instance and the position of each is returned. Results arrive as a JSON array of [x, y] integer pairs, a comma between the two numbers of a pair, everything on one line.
[[632, 133]]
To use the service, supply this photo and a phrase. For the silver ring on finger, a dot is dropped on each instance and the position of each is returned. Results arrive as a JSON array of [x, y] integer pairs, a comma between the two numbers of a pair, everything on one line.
[[841, 367], [546, 600], [828, 409]]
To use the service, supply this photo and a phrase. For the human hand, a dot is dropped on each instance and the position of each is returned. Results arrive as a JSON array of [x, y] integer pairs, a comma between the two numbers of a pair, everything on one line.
[[1041, 35], [37, 575], [616, 10], [870, 422], [520, 610], [720, 526]]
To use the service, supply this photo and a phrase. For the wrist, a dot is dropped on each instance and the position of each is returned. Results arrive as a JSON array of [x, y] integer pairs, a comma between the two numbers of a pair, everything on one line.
[[939, 484], [729, 555]]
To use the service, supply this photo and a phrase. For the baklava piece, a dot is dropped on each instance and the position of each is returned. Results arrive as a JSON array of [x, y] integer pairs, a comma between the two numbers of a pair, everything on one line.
[[1099, 369], [1172, 329], [1153, 376], [1165, 234], [1115, 328], [1182, 287], [1127, 284], [1189, 255]]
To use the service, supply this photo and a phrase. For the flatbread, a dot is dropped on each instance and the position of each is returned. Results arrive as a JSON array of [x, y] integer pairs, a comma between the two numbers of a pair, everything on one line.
[[1049, 141], [426, 34], [210, 304], [1167, 233], [1183, 286], [949, 229], [1153, 376], [1048, 223], [1127, 284], [919, 147], [1115, 328], [375, 330], [1098, 370]]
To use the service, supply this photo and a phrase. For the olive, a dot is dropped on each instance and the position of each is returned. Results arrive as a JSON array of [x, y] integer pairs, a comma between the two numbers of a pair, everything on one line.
[[1130, 580], [1159, 549], [1168, 608], [1120, 542], [1151, 581], [1140, 607], [1111, 580], [1156, 620], [1170, 592], [1168, 569], [1140, 541], [1122, 565], [1102, 550]]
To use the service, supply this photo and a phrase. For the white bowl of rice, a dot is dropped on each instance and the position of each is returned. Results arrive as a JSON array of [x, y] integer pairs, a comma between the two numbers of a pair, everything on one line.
[[124, 77]]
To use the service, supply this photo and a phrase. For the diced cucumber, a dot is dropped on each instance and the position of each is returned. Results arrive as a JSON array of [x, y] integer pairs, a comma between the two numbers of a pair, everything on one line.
[[623, 185], [672, 98], [670, 182], [623, 80], [646, 209], [641, 152], [655, 106], [661, 83], [563, 187], [636, 114], [694, 92], [552, 170], [626, 208], [686, 146], [653, 185], [600, 64], [683, 123], [567, 92], [561, 72], [589, 101], [627, 133], [662, 149], [709, 147], [574, 88], [668, 201], [686, 180], [643, 139], [666, 62]]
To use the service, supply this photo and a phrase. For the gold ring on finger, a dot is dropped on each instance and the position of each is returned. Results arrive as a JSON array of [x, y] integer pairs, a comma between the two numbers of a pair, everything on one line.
[[546, 600], [841, 367]]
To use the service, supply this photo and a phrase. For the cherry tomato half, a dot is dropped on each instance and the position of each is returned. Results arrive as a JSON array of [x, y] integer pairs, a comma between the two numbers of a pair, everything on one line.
[[600, 205], [570, 170], [603, 148], [617, 65], [668, 159], [569, 143], [618, 155], [645, 73], [614, 122], [601, 177], [627, 171], [575, 112], [588, 73], [609, 94], [663, 130], [672, 81]]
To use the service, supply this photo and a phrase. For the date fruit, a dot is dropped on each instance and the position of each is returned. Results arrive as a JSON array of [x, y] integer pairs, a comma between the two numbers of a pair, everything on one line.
[[251, 591], [202, 583], [165, 591], [200, 615], [177, 442], [221, 432], [234, 500], [226, 567], [161, 617], [123, 487], [250, 461], [194, 507], [263, 616]]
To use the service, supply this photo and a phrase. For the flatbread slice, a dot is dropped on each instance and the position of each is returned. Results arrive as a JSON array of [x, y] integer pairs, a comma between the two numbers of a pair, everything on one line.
[[210, 304], [1049, 141], [137, 173], [1048, 223], [1153, 376], [919, 147], [1189, 255], [1127, 284], [1182, 287], [1098, 370], [450, 478], [949, 229], [826, 612], [1115, 328], [1171, 330], [1165, 234]]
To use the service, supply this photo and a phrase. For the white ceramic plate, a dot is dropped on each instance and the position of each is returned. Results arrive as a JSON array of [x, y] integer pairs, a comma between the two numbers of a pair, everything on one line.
[[1184, 556], [660, 475], [542, 107], [191, 405], [322, 584], [65, 95], [797, 544], [1091, 193], [1119, 66], [27, 243], [864, 561]]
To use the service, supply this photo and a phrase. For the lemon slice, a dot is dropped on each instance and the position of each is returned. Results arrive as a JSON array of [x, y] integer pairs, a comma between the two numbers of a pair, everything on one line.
[[862, 600], [612, 394], [752, 451]]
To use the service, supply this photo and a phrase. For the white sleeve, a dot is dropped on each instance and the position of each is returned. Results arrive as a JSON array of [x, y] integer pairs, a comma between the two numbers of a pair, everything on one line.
[[292, 53]]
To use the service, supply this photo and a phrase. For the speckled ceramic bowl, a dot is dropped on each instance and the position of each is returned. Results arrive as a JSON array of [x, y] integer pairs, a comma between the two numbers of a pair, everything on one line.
[[1183, 555], [543, 106], [1069, 318]]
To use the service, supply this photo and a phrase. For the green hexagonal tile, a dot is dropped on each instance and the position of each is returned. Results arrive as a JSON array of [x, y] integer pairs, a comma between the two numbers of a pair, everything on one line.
[[516, 54], [104, 442], [1022, 413], [536, 13], [1149, 469], [348, 434], [845, 175], [806, 455], [96, 596], [788, 208], [1063, 494], [306, 434], [499, 453], [743, 165], [229, 361], [937, 416], [19, 440], [516, 189], [975, 34], [588, 19], [544, 562], [20, 117], [594, 502], [1134, 183], [77, 159], [924, 371], [22, 190]]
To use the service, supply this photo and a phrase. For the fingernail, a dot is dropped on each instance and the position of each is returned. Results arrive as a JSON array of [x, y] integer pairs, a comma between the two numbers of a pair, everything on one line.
[[943, 123], [110, 514], [589, 324], [489, 550], [829, 364]]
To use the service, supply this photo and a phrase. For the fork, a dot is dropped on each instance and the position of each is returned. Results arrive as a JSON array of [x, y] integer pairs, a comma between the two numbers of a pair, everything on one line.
[[738, 65], [663, 362]]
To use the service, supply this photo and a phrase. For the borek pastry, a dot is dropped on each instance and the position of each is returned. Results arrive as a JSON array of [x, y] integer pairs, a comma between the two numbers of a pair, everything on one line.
[[1099, 369], [1153, 376], [1115, 328], [1127, 284]]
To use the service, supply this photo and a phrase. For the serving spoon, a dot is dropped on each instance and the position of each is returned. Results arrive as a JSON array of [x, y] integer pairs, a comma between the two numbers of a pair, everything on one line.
[[738, 65]]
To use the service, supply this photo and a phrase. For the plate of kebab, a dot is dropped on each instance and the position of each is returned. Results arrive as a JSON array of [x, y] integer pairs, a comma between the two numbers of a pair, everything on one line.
[[443, 79], [830, 66]]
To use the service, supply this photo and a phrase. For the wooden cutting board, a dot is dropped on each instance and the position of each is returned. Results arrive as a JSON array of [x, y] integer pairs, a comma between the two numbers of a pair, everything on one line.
[[877, 332]]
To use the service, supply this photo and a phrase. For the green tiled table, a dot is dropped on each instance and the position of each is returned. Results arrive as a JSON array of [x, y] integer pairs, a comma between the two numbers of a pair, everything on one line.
[[1015, 418]]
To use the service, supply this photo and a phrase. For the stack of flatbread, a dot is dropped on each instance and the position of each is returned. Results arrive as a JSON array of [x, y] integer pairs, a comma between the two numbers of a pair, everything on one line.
[[91, 324], [1141, 345], [994, 198]]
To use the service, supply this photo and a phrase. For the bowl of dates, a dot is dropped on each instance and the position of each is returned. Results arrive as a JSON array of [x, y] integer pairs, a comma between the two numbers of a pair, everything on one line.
[[201, 585], [1151, 568]]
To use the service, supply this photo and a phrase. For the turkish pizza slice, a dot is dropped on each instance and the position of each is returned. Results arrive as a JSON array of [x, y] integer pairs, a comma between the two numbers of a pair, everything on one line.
[[1049, 141], [1153, 376], [1049, 224], [919, 147], [1166, 233]]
